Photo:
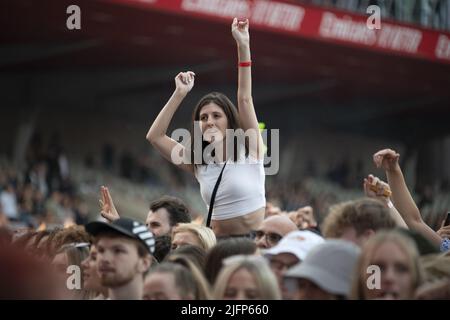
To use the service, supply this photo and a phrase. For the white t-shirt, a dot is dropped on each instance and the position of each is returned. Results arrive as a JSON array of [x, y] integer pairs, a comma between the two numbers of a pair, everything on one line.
[[241, 190]]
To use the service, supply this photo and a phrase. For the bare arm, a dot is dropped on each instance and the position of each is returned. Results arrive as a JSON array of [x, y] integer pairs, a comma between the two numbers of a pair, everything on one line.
[[403, 201], [444, 231], [247, 114], [157, 134], [378, 189]]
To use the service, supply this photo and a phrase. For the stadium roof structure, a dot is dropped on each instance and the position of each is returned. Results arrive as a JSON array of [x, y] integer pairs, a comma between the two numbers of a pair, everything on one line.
[[399, 74]]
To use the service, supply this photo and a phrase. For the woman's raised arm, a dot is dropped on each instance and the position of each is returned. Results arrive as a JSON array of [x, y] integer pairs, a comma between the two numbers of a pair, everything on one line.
[[157, 134], [403, 201], [247, 114]]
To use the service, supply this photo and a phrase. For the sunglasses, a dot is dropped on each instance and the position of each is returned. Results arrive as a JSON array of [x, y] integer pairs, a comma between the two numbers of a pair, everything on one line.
[[77, 245], [271, 237]]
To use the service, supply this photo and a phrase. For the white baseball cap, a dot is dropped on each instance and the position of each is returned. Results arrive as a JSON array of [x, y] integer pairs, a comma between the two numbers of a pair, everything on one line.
[[330, 265], [298, 243]]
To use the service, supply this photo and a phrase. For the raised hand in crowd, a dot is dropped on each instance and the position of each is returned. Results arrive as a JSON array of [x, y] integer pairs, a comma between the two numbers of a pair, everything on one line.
[[184, 82], [272, 210], [303, 217], [388, 160], [108, 210], [246, 109], [376, 188], [239, 30], [157, 134], [444, 231]]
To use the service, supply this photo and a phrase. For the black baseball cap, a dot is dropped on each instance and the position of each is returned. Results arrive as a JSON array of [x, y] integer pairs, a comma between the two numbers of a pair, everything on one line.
[[127, 227]]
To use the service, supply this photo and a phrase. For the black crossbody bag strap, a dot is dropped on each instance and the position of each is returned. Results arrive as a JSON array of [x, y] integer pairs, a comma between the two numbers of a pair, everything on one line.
[[213, 197]]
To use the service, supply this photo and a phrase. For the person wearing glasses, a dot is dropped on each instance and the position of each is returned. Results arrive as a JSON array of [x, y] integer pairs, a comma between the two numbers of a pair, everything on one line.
[[272, 230], [291, 250], [326, 273], [61, 237]]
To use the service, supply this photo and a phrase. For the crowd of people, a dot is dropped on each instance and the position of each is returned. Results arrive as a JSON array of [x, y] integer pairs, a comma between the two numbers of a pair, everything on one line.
[[246, 248], [42, 192], [375, 247]]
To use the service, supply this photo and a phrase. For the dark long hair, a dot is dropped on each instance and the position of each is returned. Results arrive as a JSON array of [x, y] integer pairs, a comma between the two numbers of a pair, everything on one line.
[[223, 249], [231, 113]]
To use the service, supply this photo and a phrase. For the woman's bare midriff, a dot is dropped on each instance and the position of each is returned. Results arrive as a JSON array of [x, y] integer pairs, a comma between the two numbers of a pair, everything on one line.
[[239, 225]]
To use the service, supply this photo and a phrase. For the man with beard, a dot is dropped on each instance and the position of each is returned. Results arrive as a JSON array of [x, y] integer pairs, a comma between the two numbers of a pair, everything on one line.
[[125, 249]]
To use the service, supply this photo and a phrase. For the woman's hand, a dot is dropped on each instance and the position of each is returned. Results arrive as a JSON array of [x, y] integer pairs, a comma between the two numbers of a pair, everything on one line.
[[377, 188], [387, 159], [184, 82], [108, 210], [303, 217], [239, 30]]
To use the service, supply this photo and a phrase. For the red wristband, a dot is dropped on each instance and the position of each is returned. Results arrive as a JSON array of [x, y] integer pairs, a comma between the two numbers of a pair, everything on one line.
[[245, 64]]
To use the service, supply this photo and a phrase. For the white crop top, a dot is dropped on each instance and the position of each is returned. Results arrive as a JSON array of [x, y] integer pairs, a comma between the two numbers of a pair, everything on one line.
[[241, 190]]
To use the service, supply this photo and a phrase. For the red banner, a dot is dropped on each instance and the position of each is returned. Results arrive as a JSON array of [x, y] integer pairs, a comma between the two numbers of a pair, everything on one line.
[[313, 22]]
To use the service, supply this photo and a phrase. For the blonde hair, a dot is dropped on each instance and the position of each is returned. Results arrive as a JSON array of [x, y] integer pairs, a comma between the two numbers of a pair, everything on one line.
[[436, 266], [370, 247], [202, 288], [361, 214], [265, 279], [75, 256], [204, 234]]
